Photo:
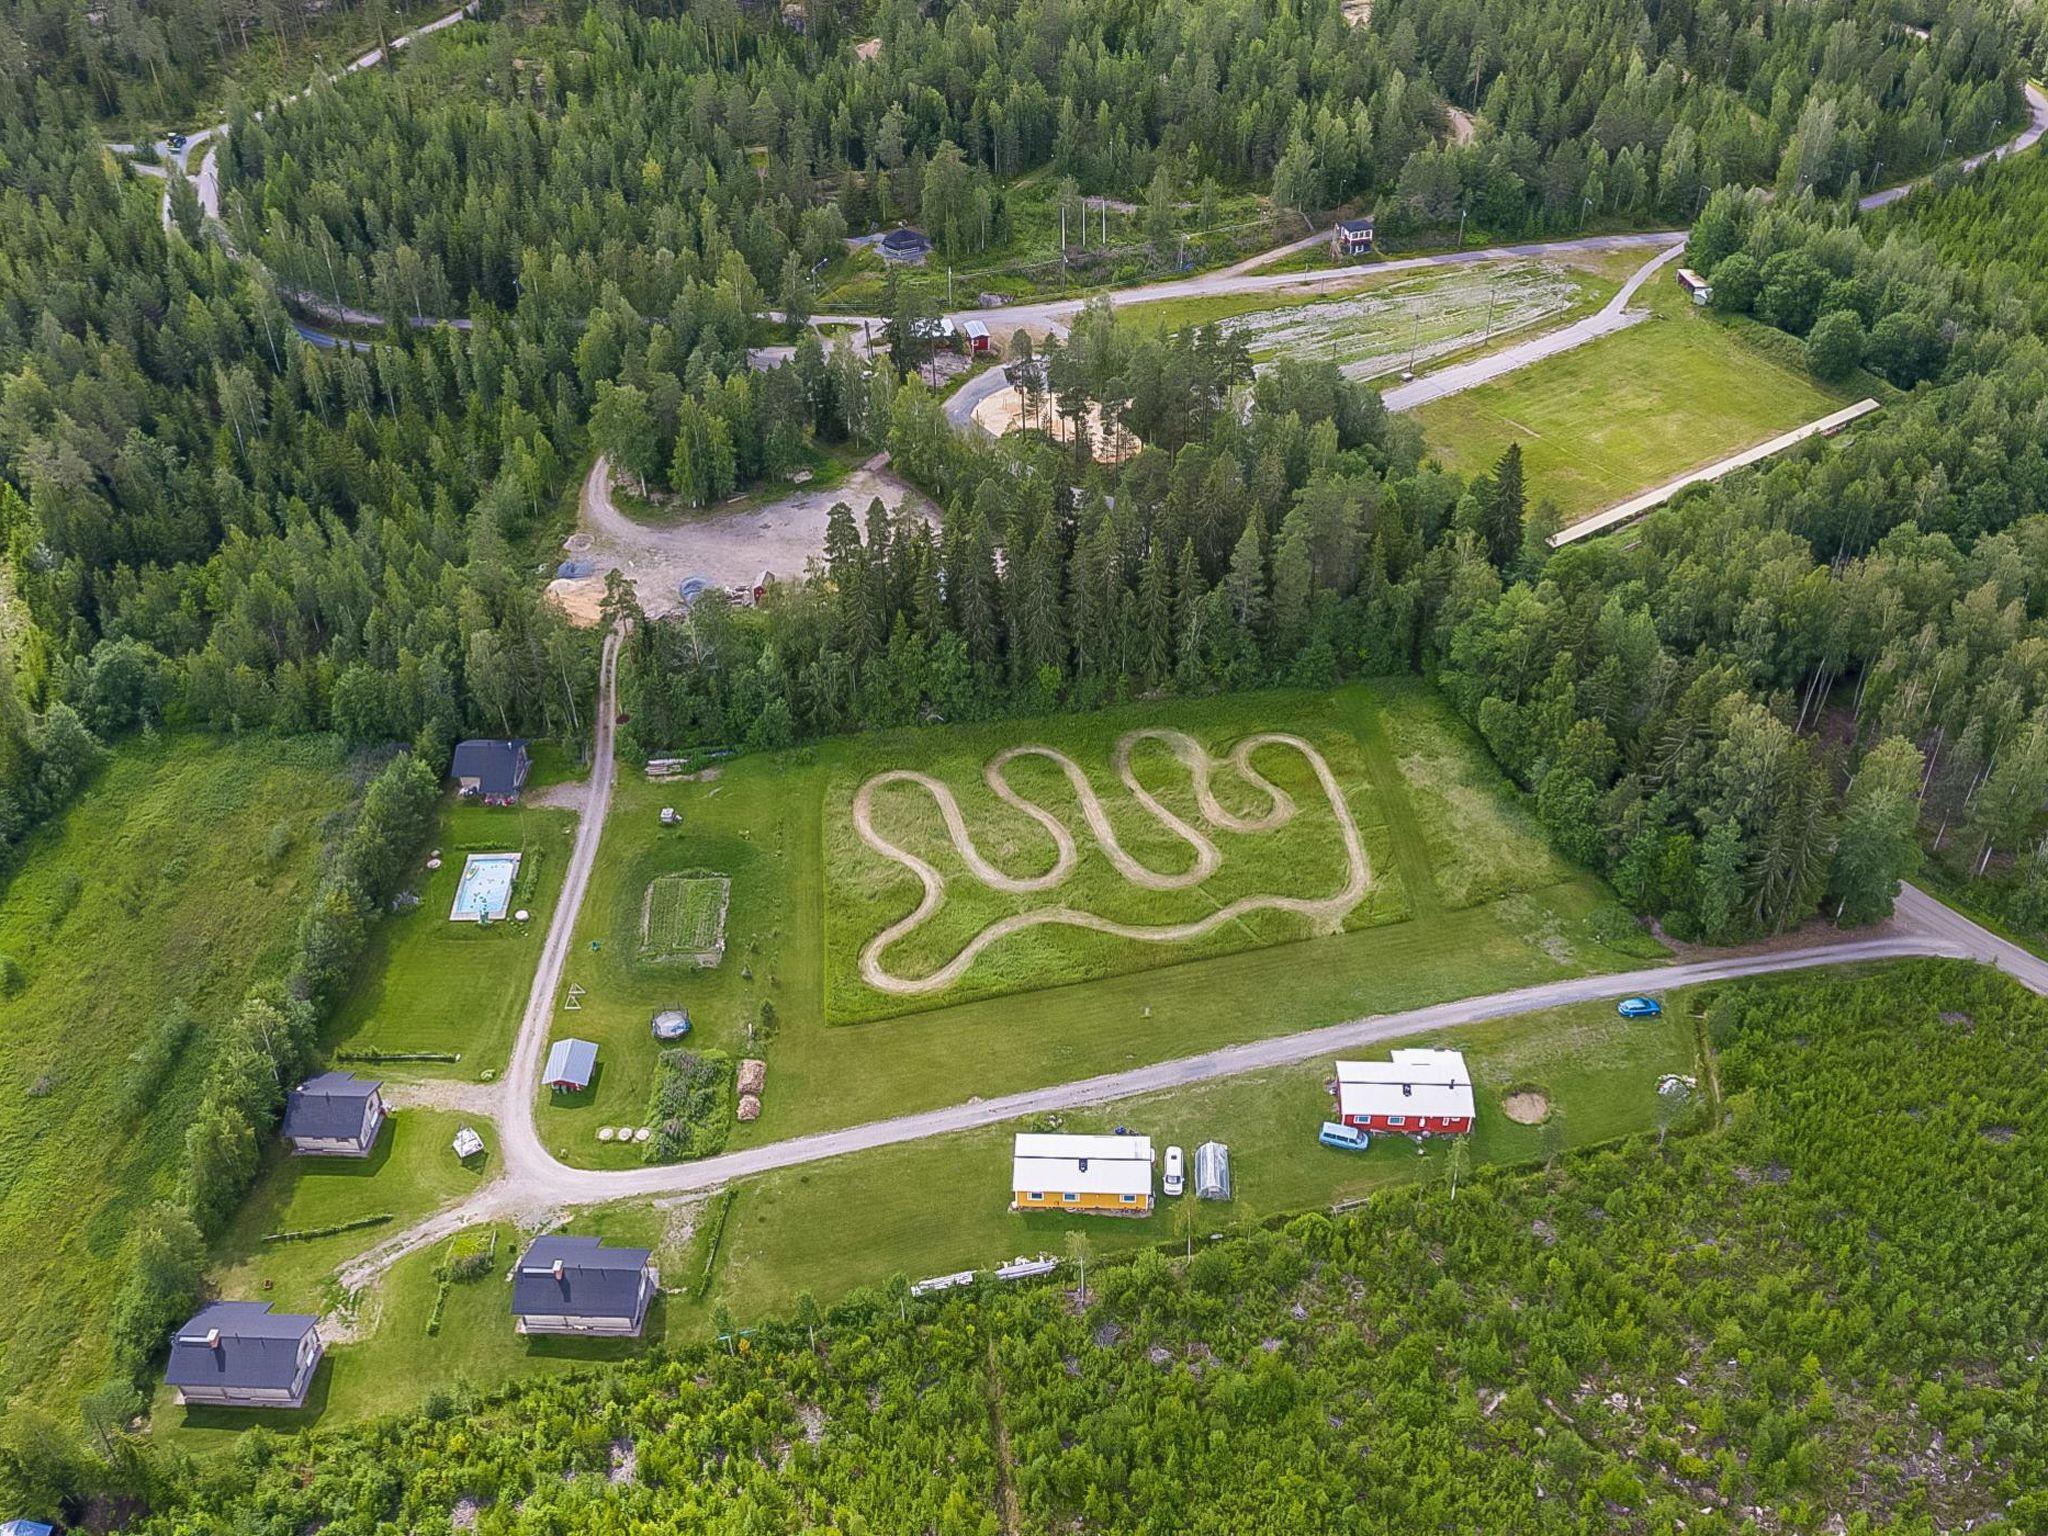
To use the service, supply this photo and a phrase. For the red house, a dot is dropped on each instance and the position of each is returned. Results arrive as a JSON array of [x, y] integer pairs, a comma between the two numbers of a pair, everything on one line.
[[1421, 1092]]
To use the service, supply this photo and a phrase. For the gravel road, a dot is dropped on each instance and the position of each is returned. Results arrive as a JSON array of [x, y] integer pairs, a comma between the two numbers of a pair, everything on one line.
[[1921, 927]]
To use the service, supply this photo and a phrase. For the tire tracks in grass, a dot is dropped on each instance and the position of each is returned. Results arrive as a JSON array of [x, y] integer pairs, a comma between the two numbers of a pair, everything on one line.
[[1404, 830], [1200, 765]]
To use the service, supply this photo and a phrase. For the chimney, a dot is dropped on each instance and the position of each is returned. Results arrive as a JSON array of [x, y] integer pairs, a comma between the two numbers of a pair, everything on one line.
[[557, 1269], [213, 1338], [1407, 1090]]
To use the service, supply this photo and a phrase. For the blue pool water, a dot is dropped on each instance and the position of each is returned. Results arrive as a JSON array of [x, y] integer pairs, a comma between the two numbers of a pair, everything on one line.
[[485, 890]]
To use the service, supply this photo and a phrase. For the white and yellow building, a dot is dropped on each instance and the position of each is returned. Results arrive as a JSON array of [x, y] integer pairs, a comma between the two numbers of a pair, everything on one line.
[[1097, 1175]]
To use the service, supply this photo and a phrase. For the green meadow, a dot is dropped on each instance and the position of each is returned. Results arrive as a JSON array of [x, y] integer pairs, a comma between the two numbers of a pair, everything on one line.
[[178, 878]]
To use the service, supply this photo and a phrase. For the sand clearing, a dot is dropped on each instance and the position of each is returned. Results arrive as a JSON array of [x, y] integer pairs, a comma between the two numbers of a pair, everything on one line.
[[1328, 910], [1003, 412], [1525, 1106]]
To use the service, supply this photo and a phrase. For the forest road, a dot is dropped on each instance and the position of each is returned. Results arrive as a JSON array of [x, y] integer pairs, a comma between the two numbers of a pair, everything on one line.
[[1920, 928], [2027, 138]]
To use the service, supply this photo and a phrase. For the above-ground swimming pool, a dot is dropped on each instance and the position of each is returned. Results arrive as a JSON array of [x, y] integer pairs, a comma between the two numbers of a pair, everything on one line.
[[485, 890]]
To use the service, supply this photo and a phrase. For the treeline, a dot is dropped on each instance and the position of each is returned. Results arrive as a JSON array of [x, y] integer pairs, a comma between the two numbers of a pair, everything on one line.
[[1993, 226], [207, 520], [640, 147], [264, 1049], [160, 63], [1857, 300], [1765, 1312]]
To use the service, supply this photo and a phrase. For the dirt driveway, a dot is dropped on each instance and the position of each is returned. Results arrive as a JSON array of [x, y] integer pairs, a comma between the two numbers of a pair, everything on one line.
[[725, 547]]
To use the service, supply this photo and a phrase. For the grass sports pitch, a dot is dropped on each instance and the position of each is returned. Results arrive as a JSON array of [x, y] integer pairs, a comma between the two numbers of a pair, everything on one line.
[[682, 917]]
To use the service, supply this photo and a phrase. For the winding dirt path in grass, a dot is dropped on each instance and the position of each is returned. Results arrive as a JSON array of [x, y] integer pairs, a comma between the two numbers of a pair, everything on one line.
[[1281, 809]]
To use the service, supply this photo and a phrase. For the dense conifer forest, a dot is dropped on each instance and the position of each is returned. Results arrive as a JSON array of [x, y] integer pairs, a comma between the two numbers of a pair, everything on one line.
[[1766, 706]]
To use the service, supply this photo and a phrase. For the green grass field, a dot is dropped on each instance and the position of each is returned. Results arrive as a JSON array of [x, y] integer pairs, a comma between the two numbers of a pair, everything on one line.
[[936, 1206], [412, 1172], [1487, 905], [181, 874], [429, 984], [865, 891], [1627, 412]]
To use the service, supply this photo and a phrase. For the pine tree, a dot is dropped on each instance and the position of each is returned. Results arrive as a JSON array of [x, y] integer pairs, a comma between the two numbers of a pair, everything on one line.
[[1246, 583], [1502, 518]]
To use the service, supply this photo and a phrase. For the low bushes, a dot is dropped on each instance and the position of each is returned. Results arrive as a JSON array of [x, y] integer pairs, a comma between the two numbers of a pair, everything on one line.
[[691, 1106], [308, 1234]]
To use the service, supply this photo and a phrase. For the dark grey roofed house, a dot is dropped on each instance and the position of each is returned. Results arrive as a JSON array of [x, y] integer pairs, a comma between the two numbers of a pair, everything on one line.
[[905, 245], [336, 1114], [578, 1285], [492, 769], [1352, 237], [240, 1354]]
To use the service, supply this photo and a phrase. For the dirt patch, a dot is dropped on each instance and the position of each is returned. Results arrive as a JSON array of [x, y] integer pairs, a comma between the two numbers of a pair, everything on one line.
[[729, 546], [566, 796], [579, 597], [1003, 412], [1525, 1106]]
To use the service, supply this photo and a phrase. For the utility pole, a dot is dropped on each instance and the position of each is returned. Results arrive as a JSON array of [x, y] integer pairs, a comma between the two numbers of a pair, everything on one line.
[[1462, 212], [1492, 287], [949, 285], [1415, 339]]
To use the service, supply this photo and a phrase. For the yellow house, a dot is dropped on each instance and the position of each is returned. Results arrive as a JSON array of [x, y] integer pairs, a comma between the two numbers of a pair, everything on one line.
[[1096, 1175]]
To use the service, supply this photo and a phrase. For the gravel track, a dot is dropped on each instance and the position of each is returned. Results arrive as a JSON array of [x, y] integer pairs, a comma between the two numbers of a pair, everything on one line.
[[1328, 910]]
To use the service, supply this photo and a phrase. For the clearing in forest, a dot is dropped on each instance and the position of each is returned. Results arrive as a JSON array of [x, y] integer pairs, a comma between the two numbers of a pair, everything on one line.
[[1604, 421], [1397, 320], [1278, 810]]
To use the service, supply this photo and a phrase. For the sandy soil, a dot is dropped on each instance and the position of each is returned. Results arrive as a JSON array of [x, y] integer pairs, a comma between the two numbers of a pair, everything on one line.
[[1200, 765], [727, 547], [1526, 1107], [1003, 412]]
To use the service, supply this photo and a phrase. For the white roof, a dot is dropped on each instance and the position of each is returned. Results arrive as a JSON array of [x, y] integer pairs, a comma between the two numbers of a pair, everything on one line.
[[1418, 1080], [976, 328], [1082, 1165]]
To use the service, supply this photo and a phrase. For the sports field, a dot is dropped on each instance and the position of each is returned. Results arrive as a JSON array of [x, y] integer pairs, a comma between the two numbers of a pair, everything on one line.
[[1466, 897], [1632, 410]]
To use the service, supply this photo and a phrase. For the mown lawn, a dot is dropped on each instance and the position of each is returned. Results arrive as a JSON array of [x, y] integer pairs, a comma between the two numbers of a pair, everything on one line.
[[1627, 412], [180, 875], [413, 1172], [428, 984], [1450, 842], [937, 1206]]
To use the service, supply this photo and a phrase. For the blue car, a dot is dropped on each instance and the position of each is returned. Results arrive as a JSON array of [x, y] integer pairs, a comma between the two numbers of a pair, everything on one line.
[[1344, 1138], [1639, 1008]]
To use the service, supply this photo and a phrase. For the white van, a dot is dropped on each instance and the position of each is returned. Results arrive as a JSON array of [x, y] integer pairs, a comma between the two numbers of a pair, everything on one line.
[[1176, 1175]]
